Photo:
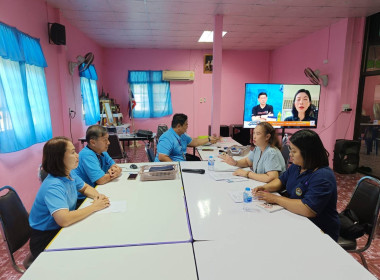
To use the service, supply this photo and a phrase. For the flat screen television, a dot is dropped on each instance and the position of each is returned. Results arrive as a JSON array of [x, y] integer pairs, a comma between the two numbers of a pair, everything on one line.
[[282, 105]]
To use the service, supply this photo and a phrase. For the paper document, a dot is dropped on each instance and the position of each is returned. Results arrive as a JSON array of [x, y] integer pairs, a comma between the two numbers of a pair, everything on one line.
[[219, 176], [115, 207], [224, 167], [236, 196], [269, 206]]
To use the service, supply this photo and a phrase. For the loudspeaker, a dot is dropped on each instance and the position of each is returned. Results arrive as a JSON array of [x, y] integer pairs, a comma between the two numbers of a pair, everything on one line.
[[57, 34], [224, 130], [346, 156], [240, 134], [374, 29]]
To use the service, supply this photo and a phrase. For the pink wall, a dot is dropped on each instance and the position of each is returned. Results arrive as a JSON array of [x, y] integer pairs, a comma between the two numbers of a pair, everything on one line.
[[340, 46], [369, 95], [239, 67], [19, 169]]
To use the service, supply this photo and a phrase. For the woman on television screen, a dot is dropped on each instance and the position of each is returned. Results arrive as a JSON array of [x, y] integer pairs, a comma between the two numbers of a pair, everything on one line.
[[302, 107], [266, 160], [309, 181]]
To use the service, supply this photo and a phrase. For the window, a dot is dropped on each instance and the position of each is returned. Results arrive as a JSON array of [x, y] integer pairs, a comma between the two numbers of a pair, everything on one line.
[[24, 105], [151, 94], [90, 97]]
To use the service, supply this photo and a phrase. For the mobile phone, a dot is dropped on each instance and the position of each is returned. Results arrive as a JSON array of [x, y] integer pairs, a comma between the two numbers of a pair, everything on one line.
[[132, 176]]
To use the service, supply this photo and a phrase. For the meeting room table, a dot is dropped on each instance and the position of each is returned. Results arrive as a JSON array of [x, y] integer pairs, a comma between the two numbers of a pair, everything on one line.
[[191, 228], [215, 149]]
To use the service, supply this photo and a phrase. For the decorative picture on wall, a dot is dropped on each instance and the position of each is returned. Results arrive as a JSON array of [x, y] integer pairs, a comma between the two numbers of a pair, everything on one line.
[[207, 66]]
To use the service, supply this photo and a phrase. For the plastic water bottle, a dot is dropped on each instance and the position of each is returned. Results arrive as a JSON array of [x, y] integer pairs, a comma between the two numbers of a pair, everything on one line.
[[247, 199], [124, 132], [128, 131], [279, 116], [211, 163]]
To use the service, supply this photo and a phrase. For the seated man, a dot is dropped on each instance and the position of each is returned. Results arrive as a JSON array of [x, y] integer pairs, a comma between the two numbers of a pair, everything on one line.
[[263, 110], [174, 142], [96, 167]]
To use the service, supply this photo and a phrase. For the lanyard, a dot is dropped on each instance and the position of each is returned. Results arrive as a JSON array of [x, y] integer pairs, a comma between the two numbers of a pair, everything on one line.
[[183, 154]]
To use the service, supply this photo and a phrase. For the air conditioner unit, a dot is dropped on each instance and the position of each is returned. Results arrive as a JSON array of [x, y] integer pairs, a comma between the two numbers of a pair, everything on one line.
[[178, 75]]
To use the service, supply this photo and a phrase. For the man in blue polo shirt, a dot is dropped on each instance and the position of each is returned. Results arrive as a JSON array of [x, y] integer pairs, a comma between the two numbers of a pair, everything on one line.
[[96, 167], [174, 142]]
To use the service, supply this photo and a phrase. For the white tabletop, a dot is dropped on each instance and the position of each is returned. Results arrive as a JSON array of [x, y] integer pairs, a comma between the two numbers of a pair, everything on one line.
[[225, 142], [169, 261], [277, 258], [214, 215], [155, 213]]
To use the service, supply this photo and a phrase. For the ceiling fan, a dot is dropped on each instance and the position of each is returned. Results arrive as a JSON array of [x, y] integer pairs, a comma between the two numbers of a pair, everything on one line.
[[315, 77], [82, 62]]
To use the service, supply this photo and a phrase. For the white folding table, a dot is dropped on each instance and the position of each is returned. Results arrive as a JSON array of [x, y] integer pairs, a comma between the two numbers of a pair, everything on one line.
[[155, 213], [304, 257], [167, 261]]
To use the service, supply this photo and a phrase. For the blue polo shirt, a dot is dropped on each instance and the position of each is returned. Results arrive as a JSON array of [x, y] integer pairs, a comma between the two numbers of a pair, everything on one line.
[[173, 145], [92, 166], [55, 193], [318, 191]]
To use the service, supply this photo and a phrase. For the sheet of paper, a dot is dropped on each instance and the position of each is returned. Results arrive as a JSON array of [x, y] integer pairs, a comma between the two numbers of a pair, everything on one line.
[[223, 167], [218, 176], [236, 196], [115, 207]]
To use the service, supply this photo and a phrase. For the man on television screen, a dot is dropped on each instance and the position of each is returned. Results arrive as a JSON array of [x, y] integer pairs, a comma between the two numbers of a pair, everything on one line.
[[262, 111]]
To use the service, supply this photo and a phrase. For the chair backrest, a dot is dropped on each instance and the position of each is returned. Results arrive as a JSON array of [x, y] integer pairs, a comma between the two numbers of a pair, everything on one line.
[[365, 201], [285, 154], [149, 153], [114, 149], [13, 220], [161, 129], [111, 129]]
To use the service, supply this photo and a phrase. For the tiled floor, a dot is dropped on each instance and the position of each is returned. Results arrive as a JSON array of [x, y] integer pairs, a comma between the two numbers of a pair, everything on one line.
[[346, 183], [372, 160]]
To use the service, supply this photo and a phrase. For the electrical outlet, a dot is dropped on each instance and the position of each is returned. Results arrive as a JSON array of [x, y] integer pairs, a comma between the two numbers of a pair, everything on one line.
[[345, 107], [204, 99]]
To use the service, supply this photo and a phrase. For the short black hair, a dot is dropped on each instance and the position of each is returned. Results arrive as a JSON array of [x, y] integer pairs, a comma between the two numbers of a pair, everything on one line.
[[53, 155], [262, 93], [312, 150], [179, 119], [94, 132], [294, 110]]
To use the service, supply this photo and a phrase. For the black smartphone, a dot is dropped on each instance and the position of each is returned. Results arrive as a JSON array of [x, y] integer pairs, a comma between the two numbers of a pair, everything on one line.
[[132, 176]]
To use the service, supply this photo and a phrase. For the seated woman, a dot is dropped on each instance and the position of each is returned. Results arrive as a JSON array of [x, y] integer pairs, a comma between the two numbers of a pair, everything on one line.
[[265, 160], [57, 196], [301, 107], [310, 183]]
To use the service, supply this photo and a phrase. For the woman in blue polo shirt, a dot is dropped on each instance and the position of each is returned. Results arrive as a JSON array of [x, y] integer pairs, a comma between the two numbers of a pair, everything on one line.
[[54, 206], [310, 183]]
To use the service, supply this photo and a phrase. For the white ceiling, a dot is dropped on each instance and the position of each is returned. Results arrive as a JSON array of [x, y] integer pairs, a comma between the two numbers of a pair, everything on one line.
[[178, 24]]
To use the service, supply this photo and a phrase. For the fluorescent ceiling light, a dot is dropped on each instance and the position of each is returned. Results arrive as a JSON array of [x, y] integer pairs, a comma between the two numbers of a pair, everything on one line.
[[207, 36]]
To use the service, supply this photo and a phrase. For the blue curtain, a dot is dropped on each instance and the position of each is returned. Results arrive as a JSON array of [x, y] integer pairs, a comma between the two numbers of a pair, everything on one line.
[[24, 105], [90, 97], [151, 93]]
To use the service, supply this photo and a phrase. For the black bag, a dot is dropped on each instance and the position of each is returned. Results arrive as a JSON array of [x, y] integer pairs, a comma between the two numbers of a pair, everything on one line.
[[349, 225], [144, 133]]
